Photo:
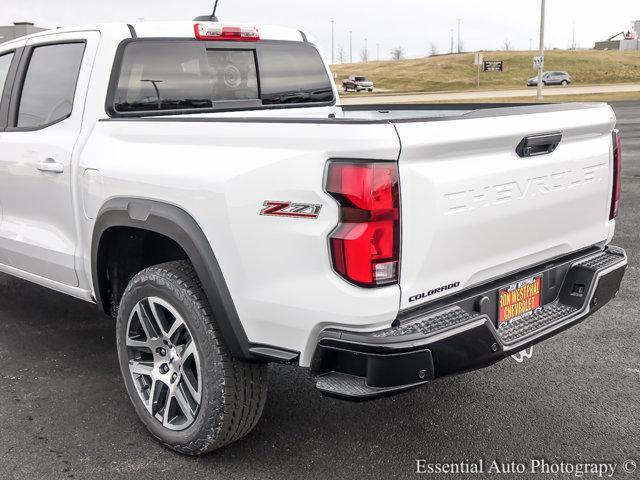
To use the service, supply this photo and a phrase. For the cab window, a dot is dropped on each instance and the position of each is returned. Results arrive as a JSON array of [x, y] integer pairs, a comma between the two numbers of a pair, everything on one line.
[[188, 76]]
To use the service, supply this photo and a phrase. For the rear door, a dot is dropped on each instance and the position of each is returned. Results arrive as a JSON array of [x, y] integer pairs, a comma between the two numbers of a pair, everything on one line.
[[38, 229], [474, 210]]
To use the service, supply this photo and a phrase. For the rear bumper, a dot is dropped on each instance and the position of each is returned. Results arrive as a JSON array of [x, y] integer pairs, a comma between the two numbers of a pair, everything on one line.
[[460, 334]]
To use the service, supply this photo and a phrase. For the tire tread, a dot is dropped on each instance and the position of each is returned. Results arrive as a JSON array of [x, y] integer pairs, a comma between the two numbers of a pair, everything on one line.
[[244, 384]]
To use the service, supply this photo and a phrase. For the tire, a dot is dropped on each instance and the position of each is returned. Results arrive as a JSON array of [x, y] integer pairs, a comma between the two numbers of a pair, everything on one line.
[[345, 89], [564, 83], [197, 364]]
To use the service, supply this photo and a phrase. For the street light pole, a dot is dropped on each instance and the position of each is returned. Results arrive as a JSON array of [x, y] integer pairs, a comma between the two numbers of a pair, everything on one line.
[[333, 50], [539, 96]]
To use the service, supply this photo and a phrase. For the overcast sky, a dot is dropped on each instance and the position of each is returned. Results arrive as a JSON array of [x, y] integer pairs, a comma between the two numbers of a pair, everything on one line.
[[414, 24]]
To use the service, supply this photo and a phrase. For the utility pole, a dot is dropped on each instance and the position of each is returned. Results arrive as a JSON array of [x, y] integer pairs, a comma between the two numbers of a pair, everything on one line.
[[333, 50], [539, 96], [459, 21], [350, 46]]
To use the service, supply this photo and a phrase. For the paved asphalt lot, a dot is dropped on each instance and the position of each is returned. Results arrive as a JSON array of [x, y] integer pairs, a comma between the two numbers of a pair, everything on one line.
[[64, 412]]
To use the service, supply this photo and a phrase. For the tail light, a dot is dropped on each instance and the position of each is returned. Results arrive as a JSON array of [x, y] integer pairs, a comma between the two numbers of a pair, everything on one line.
[[617, 173], [217, 31], [365, 245]]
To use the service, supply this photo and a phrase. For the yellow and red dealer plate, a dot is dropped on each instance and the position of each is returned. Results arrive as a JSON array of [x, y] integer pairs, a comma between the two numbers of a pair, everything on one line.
[[519, 299]]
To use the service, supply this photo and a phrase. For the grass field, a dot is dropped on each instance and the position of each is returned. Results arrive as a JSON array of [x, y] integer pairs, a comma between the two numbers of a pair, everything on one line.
[[457, 72]]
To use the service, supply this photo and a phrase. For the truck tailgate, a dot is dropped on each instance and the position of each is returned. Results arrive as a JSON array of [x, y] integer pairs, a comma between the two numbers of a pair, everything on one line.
[[474, 210]]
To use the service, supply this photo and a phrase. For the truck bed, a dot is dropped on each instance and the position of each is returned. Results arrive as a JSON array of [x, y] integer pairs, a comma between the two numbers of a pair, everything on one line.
[[472, 210]]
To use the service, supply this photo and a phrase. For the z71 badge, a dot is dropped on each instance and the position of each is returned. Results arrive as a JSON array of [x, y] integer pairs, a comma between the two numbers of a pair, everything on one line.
[[290, 209]]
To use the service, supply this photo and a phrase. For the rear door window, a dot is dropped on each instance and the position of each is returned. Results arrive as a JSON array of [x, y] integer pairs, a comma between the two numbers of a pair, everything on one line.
[[50, 84], [170, 75]]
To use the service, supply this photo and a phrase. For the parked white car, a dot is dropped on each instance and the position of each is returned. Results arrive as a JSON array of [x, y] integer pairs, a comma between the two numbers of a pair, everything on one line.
[[201, 183]]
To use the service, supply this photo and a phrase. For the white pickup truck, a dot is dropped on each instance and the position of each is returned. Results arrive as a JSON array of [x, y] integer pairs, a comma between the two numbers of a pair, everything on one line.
[[200, 182]]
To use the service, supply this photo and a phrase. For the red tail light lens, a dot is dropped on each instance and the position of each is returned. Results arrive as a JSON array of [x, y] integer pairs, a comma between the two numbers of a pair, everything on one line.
[[365, 245], [216, 31], [617, 174]]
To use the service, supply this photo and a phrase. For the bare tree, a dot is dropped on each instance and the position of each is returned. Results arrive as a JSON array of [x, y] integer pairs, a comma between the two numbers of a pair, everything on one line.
[[364, 54], [433, 49], [341, 54], [397, 53], [506, 46]]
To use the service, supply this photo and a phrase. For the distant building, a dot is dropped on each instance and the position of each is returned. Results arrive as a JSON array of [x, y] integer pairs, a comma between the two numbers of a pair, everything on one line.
[[18, 29], [622, 41]]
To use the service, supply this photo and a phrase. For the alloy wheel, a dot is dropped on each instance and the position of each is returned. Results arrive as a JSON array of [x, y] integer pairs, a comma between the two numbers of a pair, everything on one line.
[[164, 363]]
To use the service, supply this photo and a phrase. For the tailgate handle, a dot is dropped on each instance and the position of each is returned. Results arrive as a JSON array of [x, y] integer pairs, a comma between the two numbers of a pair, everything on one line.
[[536, 145]]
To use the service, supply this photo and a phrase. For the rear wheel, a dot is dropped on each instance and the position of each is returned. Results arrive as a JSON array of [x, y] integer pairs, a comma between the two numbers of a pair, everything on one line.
[[187, 389], [564, 83]]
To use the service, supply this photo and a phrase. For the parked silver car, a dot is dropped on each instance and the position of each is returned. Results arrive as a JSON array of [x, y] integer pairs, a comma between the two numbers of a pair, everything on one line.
[[551, 78]]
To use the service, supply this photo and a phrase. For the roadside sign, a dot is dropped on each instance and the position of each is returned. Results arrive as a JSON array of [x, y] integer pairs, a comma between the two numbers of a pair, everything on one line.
[[478, 61], [493, 66], [538, 62]]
